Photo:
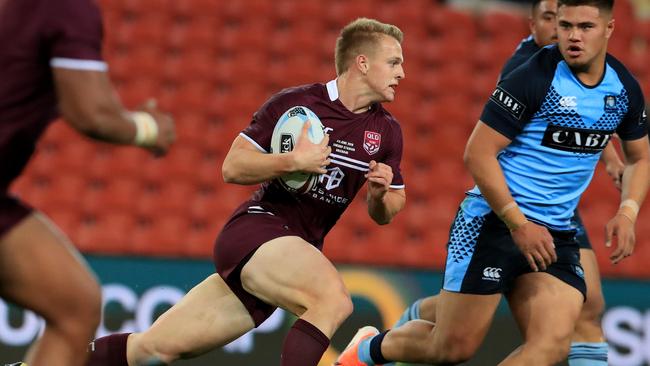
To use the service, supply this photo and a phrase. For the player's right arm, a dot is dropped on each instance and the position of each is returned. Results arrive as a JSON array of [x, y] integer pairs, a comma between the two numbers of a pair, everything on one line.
[[510, 107], [480, 158], [246, 164], [89, 104]]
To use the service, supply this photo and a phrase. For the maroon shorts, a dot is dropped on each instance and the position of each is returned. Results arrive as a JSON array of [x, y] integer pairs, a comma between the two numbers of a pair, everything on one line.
[[246, 231], [12, 211]]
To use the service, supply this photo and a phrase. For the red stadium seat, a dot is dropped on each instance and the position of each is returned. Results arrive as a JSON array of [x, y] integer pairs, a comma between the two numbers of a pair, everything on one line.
[[455, 24], [504, 26], [164, 236]]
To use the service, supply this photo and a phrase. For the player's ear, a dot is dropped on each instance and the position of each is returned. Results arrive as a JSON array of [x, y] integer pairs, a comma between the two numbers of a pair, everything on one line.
[[361, 63], [610, 27]]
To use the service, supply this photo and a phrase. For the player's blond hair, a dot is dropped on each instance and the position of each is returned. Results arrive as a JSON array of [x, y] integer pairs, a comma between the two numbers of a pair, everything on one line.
[[359, 37]]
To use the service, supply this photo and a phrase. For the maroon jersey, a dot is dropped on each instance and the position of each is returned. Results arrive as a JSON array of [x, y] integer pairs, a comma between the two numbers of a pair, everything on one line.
[[36, 35], [356, 139]]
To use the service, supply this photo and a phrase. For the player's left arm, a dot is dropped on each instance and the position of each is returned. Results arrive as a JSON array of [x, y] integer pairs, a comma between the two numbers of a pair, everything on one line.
[[633, 191], [383, 202]]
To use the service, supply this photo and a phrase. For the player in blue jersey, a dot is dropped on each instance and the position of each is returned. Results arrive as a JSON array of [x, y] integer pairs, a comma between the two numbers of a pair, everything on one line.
[[532, 155], [588, 342]]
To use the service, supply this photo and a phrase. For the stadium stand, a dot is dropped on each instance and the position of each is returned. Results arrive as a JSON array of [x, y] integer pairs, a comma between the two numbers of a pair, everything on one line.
[[212, 63]]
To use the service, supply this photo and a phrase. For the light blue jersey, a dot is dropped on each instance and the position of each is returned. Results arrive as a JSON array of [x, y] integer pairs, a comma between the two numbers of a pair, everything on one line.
[[559, 127]]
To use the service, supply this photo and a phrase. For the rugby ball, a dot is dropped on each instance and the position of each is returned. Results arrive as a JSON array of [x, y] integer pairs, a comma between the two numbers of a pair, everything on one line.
[[285, 137]]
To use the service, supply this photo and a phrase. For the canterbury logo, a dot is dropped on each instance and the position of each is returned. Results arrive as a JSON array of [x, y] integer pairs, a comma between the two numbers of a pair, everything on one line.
[[492, 273]]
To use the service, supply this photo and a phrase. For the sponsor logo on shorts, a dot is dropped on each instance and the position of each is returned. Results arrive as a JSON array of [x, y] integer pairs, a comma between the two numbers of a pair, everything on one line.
[[579, 271], [506, 101], [492, 274]]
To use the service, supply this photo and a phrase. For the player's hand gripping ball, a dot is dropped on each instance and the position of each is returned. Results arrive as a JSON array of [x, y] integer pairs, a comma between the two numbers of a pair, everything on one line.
[[285, 137]]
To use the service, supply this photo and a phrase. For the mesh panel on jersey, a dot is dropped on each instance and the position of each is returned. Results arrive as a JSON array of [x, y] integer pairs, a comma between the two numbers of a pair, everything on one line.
[[556, 114], [612, 117]]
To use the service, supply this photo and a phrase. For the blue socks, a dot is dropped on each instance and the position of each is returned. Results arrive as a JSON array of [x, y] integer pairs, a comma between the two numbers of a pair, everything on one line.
[[411, 313], [588, 354]]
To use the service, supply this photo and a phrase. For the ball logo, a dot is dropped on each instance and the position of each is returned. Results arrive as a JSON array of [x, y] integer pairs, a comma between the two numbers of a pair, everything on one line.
[[286, 142], [371, 142], [492, 273]]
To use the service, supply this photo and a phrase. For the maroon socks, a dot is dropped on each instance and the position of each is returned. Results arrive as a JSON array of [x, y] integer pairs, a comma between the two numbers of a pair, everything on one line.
[[108, 351], [304, 345]]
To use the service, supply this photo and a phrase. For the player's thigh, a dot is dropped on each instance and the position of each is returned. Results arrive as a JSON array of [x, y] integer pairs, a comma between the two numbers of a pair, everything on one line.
[[545, 308], [595, 302], [463, 320], [291, 273], [210, 315], [41, 270]]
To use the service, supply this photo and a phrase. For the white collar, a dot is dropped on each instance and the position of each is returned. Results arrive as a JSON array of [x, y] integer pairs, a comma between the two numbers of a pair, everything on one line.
[[332, 90]]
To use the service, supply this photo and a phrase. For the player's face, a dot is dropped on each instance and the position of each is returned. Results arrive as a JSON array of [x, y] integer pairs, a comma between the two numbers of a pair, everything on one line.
[[543, 23], [385, 69], [583, 32]]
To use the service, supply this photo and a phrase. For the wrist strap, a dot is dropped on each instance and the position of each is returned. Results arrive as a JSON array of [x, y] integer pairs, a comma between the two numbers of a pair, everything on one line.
[[631, 204], [146, 129]]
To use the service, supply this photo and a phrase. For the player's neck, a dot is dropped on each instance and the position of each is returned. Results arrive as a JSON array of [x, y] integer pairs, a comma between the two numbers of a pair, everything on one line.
[[593, 74], [353, 93]]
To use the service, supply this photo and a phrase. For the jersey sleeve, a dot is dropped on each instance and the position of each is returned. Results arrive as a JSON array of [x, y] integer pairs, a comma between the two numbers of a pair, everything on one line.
[[635, 123], [74, 30], [260, 130], [518, 96], [394, 157]]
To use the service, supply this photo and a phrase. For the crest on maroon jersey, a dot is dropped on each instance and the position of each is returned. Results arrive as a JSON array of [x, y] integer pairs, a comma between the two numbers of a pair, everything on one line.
[[371, 142]]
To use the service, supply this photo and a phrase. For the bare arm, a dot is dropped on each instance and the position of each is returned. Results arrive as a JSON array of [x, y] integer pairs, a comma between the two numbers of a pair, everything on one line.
[[89, 104], [534, 241], [382, 210], [383, 202], [245, 164], [613, 164], [634, 188]]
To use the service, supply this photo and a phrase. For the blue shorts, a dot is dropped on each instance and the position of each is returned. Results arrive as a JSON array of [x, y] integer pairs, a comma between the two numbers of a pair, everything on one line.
[[483, 259], [581, 232]]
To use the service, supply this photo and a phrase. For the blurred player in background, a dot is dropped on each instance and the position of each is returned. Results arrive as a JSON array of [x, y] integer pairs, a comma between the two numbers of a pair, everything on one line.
[[268, 254], [531, 155], [589, 344], [50, 62]]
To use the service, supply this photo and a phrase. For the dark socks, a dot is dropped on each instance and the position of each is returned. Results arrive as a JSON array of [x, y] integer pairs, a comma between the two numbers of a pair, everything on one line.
[[375, 349], [304, 345]]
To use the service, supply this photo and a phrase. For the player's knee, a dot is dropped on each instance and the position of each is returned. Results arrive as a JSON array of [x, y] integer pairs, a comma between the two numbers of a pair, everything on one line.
[[332, 300], [79, 316], [340, 305], [593, 308]]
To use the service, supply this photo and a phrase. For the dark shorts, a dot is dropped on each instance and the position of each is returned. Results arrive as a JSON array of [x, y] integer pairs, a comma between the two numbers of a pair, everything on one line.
[[12, 211], [244, 232], [581, 232], [483, 259]]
